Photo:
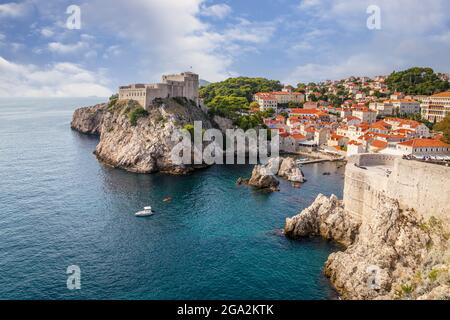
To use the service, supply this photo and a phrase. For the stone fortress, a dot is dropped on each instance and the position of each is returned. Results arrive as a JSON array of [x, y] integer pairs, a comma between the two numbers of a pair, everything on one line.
[[185, 85], [417, 185]]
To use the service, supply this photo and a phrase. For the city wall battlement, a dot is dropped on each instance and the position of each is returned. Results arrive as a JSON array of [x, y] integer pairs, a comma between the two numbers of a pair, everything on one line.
[[421, 186]]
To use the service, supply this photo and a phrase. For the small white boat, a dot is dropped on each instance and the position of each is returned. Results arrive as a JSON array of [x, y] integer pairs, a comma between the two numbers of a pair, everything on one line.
[[301, 160], [145, 213]]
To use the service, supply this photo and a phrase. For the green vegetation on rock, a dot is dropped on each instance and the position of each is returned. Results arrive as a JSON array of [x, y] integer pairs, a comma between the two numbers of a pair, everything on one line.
[[135, 114], [113, 100]]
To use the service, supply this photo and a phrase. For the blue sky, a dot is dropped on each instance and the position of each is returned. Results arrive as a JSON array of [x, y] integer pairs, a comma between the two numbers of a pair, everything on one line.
[[121, 42]]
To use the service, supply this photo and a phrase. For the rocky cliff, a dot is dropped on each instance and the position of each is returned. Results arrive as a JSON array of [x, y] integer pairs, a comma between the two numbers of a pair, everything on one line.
[[137, 140], [394, 254], [88, 120], [325, 217]]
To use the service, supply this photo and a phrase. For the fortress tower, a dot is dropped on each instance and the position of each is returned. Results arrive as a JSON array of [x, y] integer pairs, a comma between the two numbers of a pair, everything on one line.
[[185, 85]]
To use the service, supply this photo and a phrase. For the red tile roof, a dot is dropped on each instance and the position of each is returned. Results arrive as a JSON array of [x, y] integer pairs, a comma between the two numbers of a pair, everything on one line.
[[424, 143], [441, 95], [298, 136], [378, 144]]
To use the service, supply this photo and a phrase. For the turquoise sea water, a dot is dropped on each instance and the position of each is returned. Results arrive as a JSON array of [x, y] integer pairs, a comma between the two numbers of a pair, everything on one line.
[[214, 240]]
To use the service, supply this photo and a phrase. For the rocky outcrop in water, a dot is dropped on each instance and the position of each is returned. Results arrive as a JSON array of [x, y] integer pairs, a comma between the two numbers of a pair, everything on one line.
[[88, 120], [137, 140], [391, 255], [290, 170], [263, 178], [325, 217]]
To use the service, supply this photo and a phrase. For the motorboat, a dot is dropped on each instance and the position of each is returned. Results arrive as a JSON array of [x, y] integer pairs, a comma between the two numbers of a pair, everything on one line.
[[145, 213], [301, 160]]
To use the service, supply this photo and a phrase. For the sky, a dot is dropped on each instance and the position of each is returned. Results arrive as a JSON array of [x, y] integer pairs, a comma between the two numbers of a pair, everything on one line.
[[136, 41]]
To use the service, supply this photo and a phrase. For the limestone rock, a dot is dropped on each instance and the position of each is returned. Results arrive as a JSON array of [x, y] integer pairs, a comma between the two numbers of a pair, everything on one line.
[[326, 218], [262, 178], [290, 170], [223, 123], [146, 146], [392, 254], [390, 244], [88, 120]]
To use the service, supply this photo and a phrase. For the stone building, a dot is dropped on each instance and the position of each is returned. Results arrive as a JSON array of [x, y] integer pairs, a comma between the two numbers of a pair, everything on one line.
[[436, 107], [271, 100], [185, 84]]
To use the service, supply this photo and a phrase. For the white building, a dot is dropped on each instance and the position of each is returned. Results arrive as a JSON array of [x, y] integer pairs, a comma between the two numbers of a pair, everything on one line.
[[419, 129], [436, 107], [267, 100], [405, 106], [365, 114], [382, 108], [354, 147], [424, 147]]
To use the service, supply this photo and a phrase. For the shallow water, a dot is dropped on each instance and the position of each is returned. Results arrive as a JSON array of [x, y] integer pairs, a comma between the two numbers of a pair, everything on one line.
[[214, 240]]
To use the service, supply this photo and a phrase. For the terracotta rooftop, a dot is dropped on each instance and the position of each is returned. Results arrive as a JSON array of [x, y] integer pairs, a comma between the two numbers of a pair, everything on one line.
[[378, 144], [441, 95], [424, 143], [298, 136]]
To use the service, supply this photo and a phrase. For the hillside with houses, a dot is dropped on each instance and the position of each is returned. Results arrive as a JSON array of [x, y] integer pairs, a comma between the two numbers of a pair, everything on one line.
[[359, 115]]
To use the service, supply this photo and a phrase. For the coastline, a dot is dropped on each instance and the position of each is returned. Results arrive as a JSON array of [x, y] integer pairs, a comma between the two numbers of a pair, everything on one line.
[[345, 226], [201, 245]]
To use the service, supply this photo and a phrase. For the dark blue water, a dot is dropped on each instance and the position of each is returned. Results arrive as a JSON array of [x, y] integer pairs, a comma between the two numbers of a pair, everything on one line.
[[60, 207]]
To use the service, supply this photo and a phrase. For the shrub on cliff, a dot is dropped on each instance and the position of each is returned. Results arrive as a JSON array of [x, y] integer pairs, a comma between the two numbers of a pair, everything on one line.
[[113, 100], [137, 113]]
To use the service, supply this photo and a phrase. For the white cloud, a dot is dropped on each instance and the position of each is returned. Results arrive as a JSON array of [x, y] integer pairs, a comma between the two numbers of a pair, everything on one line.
[[409, 36], [47, 32], [358, 65], [442, 38], [16, 46], [219, 11], [250, 32], [13, 9], [401, 16], [56, 80], [308, 4], [169, 36], [61, 48], [112, 51]]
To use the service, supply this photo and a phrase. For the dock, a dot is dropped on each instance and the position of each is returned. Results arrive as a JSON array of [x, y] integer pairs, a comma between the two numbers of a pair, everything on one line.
[[322, 160]]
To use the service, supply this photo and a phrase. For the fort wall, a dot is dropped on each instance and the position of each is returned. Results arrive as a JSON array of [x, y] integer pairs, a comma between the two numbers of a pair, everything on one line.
[[177, 85], [422, 186]]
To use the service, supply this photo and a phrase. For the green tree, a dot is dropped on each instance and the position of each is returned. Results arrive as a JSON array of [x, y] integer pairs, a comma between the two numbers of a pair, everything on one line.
[[444, 127], [417, 81], [228, 106], [239, 87], [294, 104], [254, 105]]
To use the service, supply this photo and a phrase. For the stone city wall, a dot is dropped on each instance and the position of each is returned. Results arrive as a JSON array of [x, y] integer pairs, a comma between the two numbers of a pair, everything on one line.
[[422, 186]]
